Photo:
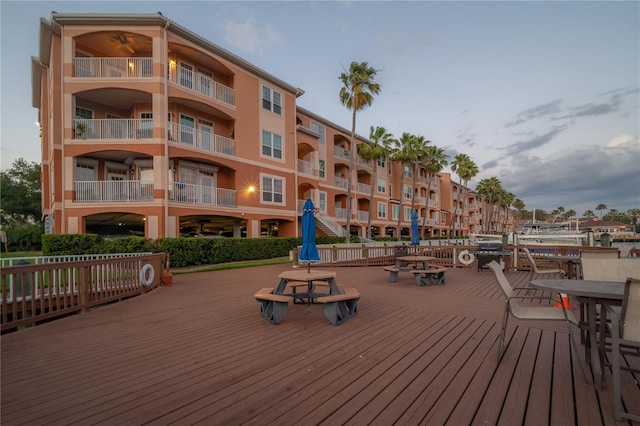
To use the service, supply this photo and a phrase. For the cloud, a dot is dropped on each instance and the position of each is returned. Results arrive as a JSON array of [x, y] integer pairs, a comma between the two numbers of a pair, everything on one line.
[[543, 110], [467, 137], [578, 179], [535, 141], [247, 37]]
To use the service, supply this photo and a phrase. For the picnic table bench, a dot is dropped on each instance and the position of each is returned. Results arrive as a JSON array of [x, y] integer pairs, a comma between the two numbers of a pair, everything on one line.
[[340, 307], [272, 306], [432, 276]]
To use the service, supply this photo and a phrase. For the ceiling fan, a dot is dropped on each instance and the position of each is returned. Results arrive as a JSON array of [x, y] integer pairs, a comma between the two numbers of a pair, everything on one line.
[[124, 41]]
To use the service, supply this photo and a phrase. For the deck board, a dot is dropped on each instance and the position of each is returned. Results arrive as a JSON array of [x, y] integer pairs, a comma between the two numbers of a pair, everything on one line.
[[199, 352]]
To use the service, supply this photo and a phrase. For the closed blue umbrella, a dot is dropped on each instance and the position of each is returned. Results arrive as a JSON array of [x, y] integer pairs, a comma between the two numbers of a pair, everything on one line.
[[415, 233], [309, 252]]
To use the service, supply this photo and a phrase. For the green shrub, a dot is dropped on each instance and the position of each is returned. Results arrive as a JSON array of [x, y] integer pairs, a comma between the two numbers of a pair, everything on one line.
[[24, 236]]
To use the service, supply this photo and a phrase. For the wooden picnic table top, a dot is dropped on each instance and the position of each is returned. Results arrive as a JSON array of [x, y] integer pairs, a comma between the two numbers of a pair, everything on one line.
[[416, 258], [304, 275]]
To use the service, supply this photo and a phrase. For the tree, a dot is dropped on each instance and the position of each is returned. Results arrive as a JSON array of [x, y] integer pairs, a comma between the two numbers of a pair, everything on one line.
[[434, 161], [466, 169], [20, 193], [588, 213], [490, 189], [378, 148], [519, 205], [600, 208], [356, 94], [407, 150]]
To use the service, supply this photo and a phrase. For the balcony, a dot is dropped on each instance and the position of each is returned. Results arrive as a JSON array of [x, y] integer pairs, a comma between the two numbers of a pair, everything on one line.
[[186, 193], [341, 182], [339, 151], [112, 191], [113, 128], [306, 168], [201, 84], [363, 188], [341, 213], [361, 162], [201, 139], [114, 67], [363, 215]]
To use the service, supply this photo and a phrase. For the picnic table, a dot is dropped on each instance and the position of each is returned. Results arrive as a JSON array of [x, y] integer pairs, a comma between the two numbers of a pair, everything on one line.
[[339, 304], [418, 265]]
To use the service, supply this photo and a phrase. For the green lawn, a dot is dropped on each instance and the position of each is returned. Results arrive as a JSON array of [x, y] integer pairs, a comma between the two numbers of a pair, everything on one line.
[[20, 254]]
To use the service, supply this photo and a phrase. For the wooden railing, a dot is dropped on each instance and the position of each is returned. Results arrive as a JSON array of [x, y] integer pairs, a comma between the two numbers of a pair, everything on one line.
[[37, 292], [446, 254]]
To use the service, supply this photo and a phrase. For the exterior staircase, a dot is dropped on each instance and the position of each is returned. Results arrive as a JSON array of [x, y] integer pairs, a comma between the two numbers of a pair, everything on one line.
[[330, 226]]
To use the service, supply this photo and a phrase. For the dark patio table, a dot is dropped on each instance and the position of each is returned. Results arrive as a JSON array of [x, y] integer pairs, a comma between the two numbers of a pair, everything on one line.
[[604, 293]]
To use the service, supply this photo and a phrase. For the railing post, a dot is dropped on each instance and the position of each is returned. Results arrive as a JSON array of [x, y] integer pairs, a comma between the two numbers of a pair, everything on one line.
[[83, 287]]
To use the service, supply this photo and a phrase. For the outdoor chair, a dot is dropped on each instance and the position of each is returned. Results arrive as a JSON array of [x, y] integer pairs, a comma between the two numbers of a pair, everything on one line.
[[521, 312], [544, 266], [634, 252], [625, 340]]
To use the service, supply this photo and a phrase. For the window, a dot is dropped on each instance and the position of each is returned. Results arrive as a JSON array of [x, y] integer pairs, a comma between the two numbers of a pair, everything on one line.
[[395, 211], [146, 125], [84, 113], [271, 100], [322, 201], [406, 170], [86, 170], [272, 190], [382, 185], [321, 168], [443, 217], [406, 191], [407, 213], [381, 162], [271, 145], [316, 128], [382, 210]]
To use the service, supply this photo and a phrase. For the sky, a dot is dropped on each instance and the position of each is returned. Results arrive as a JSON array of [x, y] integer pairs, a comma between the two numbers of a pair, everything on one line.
[[545, 96]]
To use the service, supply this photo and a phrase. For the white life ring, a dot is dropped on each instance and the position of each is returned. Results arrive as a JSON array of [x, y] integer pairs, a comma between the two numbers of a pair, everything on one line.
[[144, 279], [466, 258]]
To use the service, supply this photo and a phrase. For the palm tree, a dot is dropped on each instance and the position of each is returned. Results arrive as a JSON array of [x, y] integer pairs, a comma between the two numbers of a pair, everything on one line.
[[434, 161], [588, 213], [378, 148], [519, 205], [407, 151], [600, 208], [356, 94], [490, 189], [506, 201], [466, 170]]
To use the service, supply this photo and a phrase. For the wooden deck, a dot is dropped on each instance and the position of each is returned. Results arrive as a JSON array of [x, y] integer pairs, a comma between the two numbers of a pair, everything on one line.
[[199, 352]]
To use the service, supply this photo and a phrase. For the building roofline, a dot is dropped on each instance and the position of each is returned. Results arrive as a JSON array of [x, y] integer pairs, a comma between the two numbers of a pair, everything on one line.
[[323, 120], [158, 19]]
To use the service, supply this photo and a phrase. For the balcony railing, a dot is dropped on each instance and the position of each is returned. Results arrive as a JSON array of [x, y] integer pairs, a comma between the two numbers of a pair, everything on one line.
[[338, 151], [113, 128], [201, 139], [306, 167], [341, 213], [201, 84], [342, 182], [113, 67], [112, 191], [363, 215], [363, 188], [361, 162], [198, 194]]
